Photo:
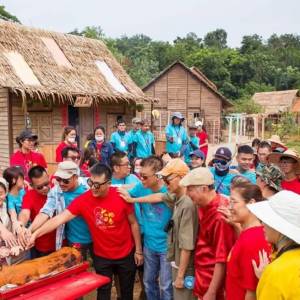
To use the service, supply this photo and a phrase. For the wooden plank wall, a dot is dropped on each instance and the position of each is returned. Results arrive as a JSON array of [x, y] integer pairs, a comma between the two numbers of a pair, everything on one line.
[[178, 90], [4, 124]]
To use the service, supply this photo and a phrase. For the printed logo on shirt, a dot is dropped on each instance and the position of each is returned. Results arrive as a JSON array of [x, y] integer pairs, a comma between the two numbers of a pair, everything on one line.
[[104, 219]]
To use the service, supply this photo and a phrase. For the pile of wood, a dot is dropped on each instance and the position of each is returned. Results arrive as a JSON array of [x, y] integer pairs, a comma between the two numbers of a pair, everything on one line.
[[35, 269]]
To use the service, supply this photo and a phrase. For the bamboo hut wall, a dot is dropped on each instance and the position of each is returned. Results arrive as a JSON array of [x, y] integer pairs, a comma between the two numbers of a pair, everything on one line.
[[4, 125], [179, 90]]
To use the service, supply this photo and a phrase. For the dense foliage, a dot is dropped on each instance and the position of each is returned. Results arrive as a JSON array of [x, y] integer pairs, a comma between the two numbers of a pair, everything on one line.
[[257, 65]]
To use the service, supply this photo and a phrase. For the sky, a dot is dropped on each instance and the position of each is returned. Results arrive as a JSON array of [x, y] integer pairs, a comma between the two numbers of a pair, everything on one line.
[[162, 19]]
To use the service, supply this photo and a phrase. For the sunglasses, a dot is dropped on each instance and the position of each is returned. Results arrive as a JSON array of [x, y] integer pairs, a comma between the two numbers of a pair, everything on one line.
[[220, 161], [168, 180], [40, 187], [65, 181], [95, 184], [145, 177]]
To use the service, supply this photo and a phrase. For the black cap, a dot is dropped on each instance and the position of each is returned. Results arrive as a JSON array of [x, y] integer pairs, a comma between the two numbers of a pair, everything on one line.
[[224, 153], [26, 134]]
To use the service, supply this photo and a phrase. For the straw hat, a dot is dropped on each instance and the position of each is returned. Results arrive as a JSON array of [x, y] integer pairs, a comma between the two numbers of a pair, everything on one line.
[[275, 157], [281, 212], [276, 139]]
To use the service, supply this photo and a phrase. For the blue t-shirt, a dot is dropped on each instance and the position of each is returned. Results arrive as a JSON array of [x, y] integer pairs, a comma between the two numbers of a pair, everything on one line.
[[152, 218], [188, 149], [250, 176], [179, 135], [15, 201], [121, 141], [222, 183], [77, 230], [144, 142], [130, 179]]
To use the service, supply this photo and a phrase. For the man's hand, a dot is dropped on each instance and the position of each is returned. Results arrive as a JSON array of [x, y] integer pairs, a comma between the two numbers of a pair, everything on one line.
[[24, 237], [31, 241], [178, 283], [125, 195], [138, 258], [17, 227], [9, 238], [263, 262]]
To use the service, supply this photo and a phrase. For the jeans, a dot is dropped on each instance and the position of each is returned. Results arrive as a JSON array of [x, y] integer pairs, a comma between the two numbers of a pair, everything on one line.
[[157, 276], [124, 268]]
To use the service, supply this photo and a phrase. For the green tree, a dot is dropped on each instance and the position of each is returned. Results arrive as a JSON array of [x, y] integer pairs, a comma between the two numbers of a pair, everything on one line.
[[5, 15], [216, 39]]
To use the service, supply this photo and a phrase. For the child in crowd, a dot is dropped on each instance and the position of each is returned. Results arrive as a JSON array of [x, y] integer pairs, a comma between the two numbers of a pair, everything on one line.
[[15, 178]]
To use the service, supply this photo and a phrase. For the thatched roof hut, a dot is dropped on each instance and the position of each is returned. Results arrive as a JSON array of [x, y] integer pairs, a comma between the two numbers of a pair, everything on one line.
[[63, 65], [49, 80], [278, 101]]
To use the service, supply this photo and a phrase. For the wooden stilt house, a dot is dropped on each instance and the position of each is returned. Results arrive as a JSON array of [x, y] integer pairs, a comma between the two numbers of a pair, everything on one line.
[[188, 90]]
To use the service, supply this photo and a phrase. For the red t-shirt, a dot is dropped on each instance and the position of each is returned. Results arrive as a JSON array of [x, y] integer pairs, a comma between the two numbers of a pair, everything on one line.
[[293, 185], [59, 150], [215, 240], [34, 202], [240, 274], [203, 137], [27, 161], [107, 219]]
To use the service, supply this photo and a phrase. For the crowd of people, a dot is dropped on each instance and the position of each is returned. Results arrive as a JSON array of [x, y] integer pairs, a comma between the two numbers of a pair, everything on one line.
[[190, 228]]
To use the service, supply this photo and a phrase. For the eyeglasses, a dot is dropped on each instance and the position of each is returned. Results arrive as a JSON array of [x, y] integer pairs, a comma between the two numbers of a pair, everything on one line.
[[125, 164], [286, 162], [95, 184], [65, 181], [145, 177], [74, 158], [40, 187], [168, 180]]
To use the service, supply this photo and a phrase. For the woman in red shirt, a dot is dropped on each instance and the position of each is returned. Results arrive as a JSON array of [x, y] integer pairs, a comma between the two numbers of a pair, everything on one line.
[[203, 137], [241, 281], [68, 140], [25, 157]]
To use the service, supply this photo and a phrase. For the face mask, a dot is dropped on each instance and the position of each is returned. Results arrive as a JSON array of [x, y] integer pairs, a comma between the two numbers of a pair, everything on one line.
[[99, 138], [222, 168], [71, 140], [137, 170]]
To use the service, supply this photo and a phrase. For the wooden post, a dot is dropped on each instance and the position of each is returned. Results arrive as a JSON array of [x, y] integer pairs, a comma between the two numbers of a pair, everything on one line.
[[255, 126], [230, 130], [27, 122], [263, 127], [237, 129]]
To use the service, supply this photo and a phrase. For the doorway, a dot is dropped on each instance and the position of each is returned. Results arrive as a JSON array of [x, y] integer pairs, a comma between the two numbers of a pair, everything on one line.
[[82, 119]]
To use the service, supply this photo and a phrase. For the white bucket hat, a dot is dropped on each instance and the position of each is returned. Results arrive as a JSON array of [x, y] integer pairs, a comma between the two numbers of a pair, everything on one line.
[[281, 212]]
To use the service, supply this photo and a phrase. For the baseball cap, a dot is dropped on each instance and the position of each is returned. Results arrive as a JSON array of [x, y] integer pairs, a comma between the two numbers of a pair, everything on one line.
[[27, 134], [174, 166], [66, 170], [178, 115], [198, 153], [223, 152], [198, 176], [271, 175], [136, 120]]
